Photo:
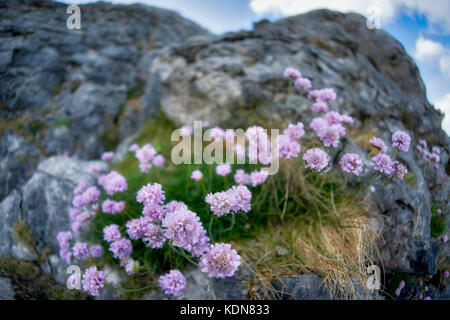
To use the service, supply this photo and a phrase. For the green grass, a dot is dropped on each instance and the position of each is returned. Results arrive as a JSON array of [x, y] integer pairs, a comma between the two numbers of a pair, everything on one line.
[[313, 202]]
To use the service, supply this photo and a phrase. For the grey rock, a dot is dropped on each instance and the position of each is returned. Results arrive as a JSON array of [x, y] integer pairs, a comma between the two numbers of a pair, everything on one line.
[[200, 287], [6, 291]]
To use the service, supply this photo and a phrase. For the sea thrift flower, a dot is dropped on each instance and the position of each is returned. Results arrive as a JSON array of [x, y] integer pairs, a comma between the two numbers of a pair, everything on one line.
[[444, 239], [146, 153], [131, 267], [302, 82], [90, 195], [318, 124], [436, 150], [113, 182], [240, 152], [401, 284], [106, 156], [74, 280], [330, 136], [288, 148], [144, 167], [292, 73], [134, 147], [223, 169], [65, 255], [113, 207], [241, 198], [186, 231], [241, 177], [80, 250], [81, 187], [154, 212], [111, 233], [121, 248], [258, 177], [151, 194], [320, 106], [158, 161], [316, 159], [137, 227], [383, 163], [220, 261], [96, 251], [154, 236], [64, 238], [401, 140], [173, 283], [326, 94], [220, 203], [446, 274], [398, 291], [173, 205], [186, 131], [379, 144], [196, 175], [351, 163], [399, 170], [216, 133], [294, 131], [76, 227], [93, 281], [94, 168]]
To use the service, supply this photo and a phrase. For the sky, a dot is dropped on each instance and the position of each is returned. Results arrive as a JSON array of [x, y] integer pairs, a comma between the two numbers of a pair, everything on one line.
[[422, 26]]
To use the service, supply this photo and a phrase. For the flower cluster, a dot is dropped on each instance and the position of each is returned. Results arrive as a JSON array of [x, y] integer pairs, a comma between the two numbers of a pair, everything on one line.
[[236, 199], [223, 169], [220, 261], [351, 163], [316, 159], [329, 128], [321, 97], [433, 157], [173, 283], [113, 207], [93, 281], [147, 157], [112, 182]]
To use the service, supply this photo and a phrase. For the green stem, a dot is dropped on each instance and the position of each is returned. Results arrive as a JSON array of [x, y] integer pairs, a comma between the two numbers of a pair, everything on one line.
[[233, 220], [127, 290], [181, 252], [210, 227]]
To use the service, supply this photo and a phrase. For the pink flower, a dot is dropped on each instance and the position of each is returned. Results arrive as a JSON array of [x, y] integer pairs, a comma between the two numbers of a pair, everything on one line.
[[398, 291], [154, 236], [316, 159], [196, 175], [80, 250], [111, 233], [146, 153], [64, 238], [93, 281], [151, 194], [217, 133], [379, 144], [121, 248], [292, 73], [401, 140], [186, 131], [134, 147], [235, 199], [113, 182], [294, 131], [330, 136], [144, 167], [173, 283], [351, 163], [90, 195], [399, 170], [444, 239], [96, 251], [158, 161], [302, 82], [113, 207], [446, 274], [65, 255], [74, 213], [220, 261], [241, 177], [81, 187], [326, 94], [383, 163], [94, 168], [320, 106], [242, 198], [137, 227], [258, 177], [106, 156], [318, 124], [186, 231], [223, 169], [288, 148], [154, 212]]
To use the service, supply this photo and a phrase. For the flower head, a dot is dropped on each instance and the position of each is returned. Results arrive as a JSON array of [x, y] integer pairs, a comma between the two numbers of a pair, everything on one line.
[[288, 148], [292, 73], [220, 261], [351, 163], [158, 161], [379, 144], [113, 207], [223, 169], [173, 283], [93, 281], [137, 227], [196, 175], [96, 251], [121, 248], [151, 194], [258, 177], [111, 233], [316, 159], [80, 250], [383, 163], [295, 131], [322, 94], [241, 177], [302, 82], [401, 140], [113, 182], [106, 156], [154, 236]]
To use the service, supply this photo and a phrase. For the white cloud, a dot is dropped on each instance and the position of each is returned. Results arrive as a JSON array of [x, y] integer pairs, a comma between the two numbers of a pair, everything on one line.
[[444, 64], [444, 106], [436, 11], [428, 49]]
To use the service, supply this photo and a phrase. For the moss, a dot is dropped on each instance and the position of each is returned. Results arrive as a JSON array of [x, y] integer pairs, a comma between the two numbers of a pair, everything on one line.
[[30, 282], [74, 85], [438, 226], [24, 235], [61, 122]]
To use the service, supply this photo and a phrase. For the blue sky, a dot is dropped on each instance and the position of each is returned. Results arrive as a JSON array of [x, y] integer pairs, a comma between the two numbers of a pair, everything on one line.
[[422, 26]]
